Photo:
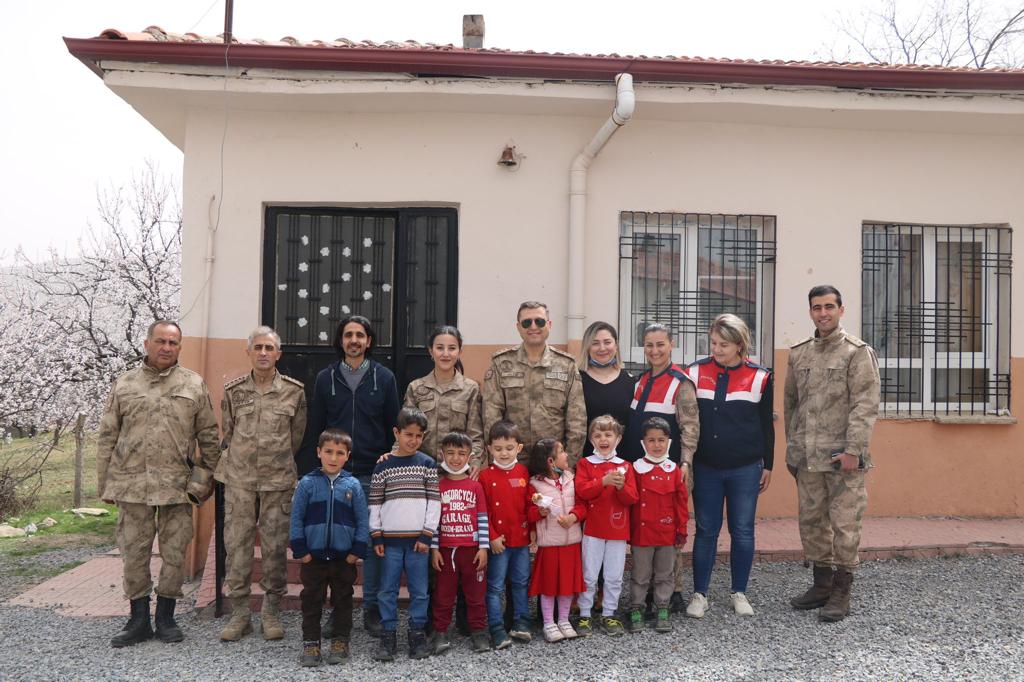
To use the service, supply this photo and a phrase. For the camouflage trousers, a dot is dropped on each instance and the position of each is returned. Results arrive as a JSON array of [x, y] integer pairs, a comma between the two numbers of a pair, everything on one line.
[[137, 525], [245, 511], [832, 504]]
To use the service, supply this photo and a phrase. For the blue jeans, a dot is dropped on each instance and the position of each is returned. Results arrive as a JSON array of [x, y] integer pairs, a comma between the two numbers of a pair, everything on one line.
[[371, 564], [398, 557], [737, 489], [513, 563]]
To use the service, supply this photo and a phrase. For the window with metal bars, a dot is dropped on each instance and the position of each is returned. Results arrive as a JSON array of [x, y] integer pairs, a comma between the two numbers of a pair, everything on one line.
[[684, 269], [936, 309]]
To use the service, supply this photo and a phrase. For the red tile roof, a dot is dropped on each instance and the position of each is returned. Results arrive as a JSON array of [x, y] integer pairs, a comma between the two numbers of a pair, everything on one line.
[[156, 45]]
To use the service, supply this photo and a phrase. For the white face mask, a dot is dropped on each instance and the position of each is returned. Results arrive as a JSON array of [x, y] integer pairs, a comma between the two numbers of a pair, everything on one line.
[[652, 458], [607, 457], [464, 469], [504, 467]]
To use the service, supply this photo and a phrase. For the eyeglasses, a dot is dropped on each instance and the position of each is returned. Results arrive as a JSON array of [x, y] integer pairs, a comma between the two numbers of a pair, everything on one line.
[[539, 321]]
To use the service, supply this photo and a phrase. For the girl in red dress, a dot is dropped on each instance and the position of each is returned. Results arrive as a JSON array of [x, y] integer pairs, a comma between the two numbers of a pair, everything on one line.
[[558, 568]]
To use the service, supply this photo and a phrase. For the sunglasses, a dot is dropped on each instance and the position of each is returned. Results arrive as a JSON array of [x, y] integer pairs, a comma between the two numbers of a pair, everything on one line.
[[539, 321]]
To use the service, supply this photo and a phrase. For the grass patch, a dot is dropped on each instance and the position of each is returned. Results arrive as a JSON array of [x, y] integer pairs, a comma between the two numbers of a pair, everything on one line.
[[70, 530], [58, 473]]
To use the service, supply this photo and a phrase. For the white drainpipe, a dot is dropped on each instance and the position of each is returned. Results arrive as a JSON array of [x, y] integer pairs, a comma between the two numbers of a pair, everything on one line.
[[625, 103]]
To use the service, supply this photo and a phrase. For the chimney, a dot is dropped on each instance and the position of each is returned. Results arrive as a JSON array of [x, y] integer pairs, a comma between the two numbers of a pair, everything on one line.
[[472, 30]]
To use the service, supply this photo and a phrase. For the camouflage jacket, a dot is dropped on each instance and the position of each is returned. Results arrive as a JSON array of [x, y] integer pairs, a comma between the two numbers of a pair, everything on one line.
[[453, 407], [148, 436], [831, 400], [544, 400], [262, 433]]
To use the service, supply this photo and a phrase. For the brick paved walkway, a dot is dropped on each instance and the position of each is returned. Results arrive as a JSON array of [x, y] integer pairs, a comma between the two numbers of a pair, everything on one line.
[[94, 588]]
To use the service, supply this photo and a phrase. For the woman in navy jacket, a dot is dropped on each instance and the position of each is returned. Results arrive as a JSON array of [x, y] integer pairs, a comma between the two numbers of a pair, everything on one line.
[[733, 462]]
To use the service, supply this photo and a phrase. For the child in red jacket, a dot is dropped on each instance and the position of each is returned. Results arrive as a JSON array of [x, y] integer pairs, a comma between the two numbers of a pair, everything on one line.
[[506, 487], [658, 523], [606, 483]]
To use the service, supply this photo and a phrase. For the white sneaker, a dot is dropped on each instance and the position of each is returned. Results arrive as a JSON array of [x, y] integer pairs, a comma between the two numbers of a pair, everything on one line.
[[698, 606], [567, 631], [552, 633], [740, 604]]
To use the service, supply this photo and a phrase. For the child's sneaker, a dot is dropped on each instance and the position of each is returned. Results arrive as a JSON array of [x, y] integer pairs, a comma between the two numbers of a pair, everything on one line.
[[338, 652], [552, 633], [698, 606], [499, 638], [418, 647], [387, 647], [520, 631], [612, 626], [567, 632], [636, 621], [481, 642], [584, 627], [440, 642], [310, 655], [663, 624]]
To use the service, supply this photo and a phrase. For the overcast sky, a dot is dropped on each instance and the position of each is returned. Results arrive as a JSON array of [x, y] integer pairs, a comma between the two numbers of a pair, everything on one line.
[[64, 133]]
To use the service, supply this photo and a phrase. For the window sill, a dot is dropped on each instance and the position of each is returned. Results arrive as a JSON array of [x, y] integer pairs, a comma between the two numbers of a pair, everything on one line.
[[990, 419]]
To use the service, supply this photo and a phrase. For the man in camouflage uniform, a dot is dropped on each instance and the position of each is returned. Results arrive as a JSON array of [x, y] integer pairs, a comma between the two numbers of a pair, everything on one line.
[[264, 416], [831, 402], [155, 415], [536, 387]]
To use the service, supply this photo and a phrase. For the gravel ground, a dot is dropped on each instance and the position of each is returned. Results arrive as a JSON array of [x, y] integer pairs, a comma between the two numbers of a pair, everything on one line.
[[936, 619]]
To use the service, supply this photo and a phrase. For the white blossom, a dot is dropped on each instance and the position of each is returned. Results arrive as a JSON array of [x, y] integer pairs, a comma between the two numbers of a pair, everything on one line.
[[367, 268], [325, 288], [345, 309], [346, 276], [346, 252], [324, 310], [302, 322], [367, 295], [367, 242], [305, 240], [283, 287], [326, 251], [303, 267], [303, 293], [385, 288], [323, 336]]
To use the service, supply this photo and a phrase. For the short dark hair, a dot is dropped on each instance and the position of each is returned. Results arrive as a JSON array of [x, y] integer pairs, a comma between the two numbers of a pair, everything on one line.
[[367, 327], [656, 327], [162, 323], [335, 436], [456, 439], [526, 305], [824, 290], [655, 424], [503, 429], [537, 463], [410, 416]]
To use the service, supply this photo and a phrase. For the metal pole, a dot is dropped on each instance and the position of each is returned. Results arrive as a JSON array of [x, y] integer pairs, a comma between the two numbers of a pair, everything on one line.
[[228, 18], [220, 552]]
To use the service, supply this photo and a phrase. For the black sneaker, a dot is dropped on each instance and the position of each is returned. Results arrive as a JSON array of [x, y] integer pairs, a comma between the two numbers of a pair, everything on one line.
[[521, 631], [387, 646], [371, 621], [418, 647], [481, 641], [677, 604], [584, 628], [499, 638]]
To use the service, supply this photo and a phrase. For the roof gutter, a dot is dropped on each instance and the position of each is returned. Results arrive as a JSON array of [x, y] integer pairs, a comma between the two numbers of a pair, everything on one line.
[[467, 63]]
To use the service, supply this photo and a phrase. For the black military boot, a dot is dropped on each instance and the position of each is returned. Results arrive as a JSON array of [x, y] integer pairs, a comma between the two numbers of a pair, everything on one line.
[[838, 605], [819, 592], [166, 629], [371, 621], [137, 629]]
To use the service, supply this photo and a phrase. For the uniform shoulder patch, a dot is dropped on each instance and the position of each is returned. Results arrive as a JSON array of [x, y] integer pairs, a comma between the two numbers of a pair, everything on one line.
[[292, 380], [800, 343], [859, 343], [564, 354], [234, 382], [510, 349]]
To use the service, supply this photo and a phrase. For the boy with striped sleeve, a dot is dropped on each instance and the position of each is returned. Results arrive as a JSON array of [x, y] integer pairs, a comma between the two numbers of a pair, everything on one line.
[[405, 507]]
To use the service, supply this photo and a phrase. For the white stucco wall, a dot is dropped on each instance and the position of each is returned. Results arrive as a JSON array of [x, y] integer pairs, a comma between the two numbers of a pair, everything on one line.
[[820, 180]]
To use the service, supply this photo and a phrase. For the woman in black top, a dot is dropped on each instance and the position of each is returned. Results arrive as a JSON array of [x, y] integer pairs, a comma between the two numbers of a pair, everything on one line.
[[607, 388]]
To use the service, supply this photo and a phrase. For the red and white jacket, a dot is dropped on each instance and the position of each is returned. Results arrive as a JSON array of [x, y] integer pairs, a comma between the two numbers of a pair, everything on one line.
[[607, 506], [508, 496], [659, 517]]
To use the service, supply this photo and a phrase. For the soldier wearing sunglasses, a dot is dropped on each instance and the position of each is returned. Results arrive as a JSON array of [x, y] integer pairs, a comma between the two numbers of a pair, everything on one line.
[[536, 387]]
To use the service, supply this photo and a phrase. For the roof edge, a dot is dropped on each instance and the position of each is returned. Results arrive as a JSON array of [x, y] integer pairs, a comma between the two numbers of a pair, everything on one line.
[[526, 65]]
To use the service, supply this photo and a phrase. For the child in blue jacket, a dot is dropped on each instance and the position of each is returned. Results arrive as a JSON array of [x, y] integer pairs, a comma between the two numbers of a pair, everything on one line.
[[329, 533]]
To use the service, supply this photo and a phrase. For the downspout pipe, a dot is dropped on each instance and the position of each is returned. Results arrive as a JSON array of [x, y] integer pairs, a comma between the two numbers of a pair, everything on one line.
[[625, 103]]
